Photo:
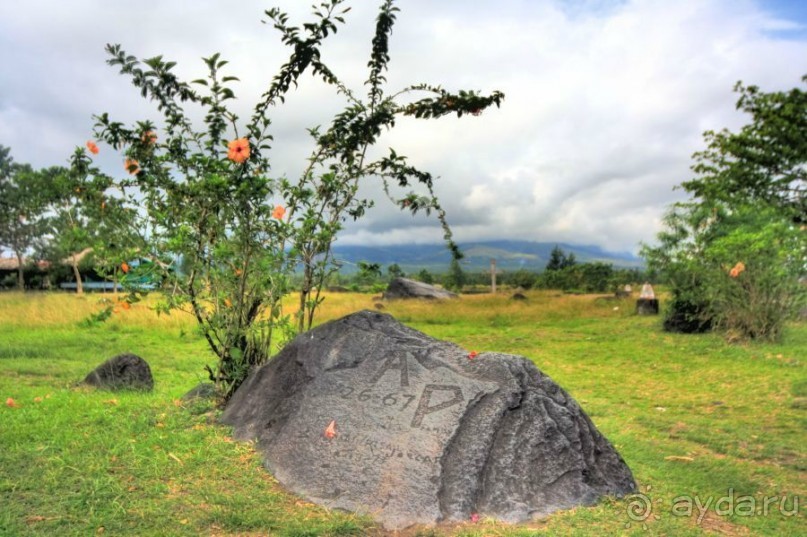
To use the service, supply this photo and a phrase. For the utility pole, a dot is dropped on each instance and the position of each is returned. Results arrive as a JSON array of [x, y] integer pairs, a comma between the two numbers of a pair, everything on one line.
[[493, 276]]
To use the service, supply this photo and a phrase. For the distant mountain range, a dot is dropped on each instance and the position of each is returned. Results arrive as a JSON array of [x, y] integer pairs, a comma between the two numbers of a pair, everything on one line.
[[509, 255]]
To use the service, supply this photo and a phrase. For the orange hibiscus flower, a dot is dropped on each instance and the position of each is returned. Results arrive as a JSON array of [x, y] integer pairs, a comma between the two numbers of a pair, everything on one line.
[[737, 269], [132, 166], [238, 150], [149, 137], [124, 267], [330, 430], [278, 212], [92, 147]]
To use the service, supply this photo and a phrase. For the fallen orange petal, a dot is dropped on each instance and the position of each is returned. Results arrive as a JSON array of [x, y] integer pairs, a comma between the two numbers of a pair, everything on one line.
[[11, 403], [330, 430], [472, 355]]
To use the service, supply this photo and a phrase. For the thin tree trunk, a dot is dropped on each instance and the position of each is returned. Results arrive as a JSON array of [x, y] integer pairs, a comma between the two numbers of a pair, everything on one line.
[[77, 274], [20, 275]]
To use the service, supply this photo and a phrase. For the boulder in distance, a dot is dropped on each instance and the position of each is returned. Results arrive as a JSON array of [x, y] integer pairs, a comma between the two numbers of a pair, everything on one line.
[[647, 306], [406, 288]]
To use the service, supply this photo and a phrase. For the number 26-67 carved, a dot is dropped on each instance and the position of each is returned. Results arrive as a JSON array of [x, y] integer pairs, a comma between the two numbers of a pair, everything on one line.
[[403, 401], [390, 399]]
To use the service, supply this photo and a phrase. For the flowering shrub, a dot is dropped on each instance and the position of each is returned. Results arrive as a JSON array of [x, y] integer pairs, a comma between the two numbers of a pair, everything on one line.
[[735, 270], [217, 231], [753, 298]]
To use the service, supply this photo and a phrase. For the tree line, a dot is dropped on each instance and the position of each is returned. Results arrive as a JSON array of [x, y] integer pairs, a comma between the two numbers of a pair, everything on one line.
[[51, 215], [562, 272]]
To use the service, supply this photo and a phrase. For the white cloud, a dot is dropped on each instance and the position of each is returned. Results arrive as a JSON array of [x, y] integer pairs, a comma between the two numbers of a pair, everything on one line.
[[605, 100]]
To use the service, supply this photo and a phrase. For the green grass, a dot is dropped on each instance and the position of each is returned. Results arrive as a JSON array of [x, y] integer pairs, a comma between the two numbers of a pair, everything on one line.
[[691, 415]]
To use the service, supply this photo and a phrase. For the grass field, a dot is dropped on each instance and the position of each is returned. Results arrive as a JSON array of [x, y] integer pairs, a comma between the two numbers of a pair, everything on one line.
[[721, 428]]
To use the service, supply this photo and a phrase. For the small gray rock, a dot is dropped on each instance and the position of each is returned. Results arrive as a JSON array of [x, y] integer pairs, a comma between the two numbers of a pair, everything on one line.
[[337, 289], [368, 415], [204, 390], [123, 372]]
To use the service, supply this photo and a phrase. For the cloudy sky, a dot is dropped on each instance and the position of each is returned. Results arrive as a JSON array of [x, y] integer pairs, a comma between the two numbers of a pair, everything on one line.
[[606, 100]]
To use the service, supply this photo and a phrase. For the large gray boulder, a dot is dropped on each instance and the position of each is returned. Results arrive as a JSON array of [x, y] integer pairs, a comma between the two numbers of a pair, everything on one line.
[[368, 415], [406, 288], [122, 372]]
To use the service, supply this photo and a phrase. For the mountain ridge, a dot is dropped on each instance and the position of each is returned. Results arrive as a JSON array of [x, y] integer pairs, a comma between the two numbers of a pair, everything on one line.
[[510, 255]]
